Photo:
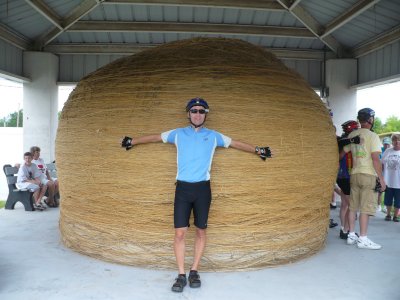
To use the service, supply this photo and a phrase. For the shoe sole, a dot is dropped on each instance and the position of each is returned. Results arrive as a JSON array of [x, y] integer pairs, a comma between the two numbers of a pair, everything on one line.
[[195, 285], [362, 247]]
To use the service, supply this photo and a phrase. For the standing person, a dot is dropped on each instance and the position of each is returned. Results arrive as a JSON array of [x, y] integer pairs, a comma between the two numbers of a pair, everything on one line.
[[195, 146], [46, 179], [387, 143], [366, 168], [343, 177], [391, 173], [29, 178]]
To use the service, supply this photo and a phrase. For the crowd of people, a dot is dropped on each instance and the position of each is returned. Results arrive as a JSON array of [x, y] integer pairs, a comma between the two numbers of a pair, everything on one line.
[[366, 171], [33, 175]]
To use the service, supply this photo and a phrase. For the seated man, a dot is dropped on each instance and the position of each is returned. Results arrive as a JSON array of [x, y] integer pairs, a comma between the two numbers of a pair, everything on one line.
[[29, 178], [46, 179]]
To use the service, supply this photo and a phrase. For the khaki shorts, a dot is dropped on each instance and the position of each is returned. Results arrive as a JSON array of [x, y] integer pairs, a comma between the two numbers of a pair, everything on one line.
[[363, 198]]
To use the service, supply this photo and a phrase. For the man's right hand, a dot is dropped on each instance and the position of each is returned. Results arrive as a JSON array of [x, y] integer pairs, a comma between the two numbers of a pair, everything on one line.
[[126, 142]]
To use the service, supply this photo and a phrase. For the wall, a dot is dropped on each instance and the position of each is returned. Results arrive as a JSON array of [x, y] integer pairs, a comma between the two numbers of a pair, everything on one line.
[[380, 64], [341, 74], [11, 152], [10, 58]]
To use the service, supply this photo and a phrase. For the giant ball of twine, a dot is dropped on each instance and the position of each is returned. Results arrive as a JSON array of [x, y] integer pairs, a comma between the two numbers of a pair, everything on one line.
[[117, 205]]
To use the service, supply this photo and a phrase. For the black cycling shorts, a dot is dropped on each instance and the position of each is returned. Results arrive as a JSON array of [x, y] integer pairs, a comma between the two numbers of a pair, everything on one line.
[[188, 196], [344, 184]]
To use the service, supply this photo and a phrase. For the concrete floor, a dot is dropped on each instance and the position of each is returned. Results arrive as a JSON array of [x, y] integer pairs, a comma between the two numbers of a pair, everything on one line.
[[35, 265]]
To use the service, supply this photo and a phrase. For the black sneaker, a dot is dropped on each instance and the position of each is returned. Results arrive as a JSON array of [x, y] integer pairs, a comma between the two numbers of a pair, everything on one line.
[[179, 284], [332, 206], [332, 223], [194, 279], [343, 235]]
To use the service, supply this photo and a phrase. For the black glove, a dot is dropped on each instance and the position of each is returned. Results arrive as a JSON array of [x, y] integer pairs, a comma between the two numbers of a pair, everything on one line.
[[378, 186], [127, 142], [265, 152], [355, 140]]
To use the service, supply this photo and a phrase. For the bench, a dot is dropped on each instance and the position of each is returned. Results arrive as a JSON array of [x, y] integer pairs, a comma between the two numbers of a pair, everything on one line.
[[15, 194]]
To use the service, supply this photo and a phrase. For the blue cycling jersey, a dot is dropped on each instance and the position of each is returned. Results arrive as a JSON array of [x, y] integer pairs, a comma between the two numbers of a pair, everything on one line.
[[195, 151]]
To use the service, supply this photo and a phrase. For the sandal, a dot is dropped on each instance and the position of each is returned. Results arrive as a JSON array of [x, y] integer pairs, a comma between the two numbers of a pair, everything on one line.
[[395, 219], [388, 218], [194, 279], [49, 204], [179, 284], [38, 207]]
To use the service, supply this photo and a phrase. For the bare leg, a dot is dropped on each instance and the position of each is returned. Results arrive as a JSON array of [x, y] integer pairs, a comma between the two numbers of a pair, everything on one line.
[[363, 224], [179, 248], [199, 245], [51, 187], [344, 208], [43, 189], [352, 220]]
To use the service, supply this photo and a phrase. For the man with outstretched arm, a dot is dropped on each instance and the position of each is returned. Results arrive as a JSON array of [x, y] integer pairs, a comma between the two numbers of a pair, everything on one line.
[[365, 174], [195, 148]]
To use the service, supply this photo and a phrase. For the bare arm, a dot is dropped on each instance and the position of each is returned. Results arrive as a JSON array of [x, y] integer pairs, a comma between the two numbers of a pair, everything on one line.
[[378, 168], [155, 138], [243, 146], [251, 149]]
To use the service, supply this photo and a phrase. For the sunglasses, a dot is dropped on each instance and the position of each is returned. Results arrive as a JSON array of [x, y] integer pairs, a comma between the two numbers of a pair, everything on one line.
[[200, 111]]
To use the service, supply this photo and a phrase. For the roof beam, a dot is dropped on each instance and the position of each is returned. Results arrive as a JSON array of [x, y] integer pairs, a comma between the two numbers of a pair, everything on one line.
[[129, 49], [313, 25], [379, 42], [249, 4], [200, 28], [44, 10], [81, 10], [349, 15], [13, 38]]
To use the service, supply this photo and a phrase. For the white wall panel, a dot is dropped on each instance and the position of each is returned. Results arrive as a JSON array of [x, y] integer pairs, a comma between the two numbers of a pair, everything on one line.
[[74, 67], [379, 64], [10, 58]]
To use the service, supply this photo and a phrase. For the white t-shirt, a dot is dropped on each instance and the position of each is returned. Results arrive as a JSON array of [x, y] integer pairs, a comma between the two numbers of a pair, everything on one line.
[[391, 168], [41, 165]]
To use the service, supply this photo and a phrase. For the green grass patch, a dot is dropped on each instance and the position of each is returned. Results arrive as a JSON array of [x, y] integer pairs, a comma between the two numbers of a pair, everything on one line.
[[2, 203]]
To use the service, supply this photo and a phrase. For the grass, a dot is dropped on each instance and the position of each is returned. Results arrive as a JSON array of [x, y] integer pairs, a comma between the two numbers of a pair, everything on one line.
[[2, 203]]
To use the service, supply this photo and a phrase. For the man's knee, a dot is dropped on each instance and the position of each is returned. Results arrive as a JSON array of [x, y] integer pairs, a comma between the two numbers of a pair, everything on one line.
[[180, 234], [200, 233]]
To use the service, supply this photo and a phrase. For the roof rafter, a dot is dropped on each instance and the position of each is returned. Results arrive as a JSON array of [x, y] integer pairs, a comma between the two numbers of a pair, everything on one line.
[[129, 49], [201, 28], [44, 10], [81, 10], [313, 25], [349, 15], [381, 41], [12, 38], [249, 4]]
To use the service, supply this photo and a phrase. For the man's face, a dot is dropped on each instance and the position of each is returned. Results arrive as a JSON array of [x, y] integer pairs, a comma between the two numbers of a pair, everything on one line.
[[197, 115], [36, 154], [28, 160]]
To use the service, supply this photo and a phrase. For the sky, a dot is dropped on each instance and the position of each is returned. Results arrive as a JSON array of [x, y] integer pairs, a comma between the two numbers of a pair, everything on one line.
[[384, 99]]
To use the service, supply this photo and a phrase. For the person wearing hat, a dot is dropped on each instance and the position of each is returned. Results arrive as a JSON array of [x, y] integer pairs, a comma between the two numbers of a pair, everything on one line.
[[366, 170], [195, 146]]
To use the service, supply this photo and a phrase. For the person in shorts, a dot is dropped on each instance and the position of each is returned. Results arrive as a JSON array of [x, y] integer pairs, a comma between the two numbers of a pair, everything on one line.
[[391, 173], [364, 174], [46, 179], [29, 177], [343, 177], [195, 146]]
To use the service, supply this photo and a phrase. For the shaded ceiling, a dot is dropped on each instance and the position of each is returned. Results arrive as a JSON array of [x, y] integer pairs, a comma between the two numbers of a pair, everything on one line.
[[302, 29]]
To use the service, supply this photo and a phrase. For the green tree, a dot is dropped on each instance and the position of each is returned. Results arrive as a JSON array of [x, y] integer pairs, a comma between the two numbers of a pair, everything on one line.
[[378, 126], [392, 124], [11, 119]]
